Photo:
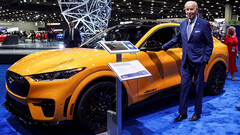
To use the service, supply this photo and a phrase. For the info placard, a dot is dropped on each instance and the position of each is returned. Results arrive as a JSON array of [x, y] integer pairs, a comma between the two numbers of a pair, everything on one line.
[[118, 47], [129, 70]]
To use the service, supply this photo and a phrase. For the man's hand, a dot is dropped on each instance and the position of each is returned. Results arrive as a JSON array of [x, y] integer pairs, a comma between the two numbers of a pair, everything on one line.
[[237, 55]]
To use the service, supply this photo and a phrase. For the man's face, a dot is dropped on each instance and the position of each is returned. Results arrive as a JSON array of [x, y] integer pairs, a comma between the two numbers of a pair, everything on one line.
[[191, 10], [71, 25]]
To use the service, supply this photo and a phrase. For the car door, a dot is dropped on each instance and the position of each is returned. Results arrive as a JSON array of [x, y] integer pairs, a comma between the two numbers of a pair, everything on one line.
[[164, 66]]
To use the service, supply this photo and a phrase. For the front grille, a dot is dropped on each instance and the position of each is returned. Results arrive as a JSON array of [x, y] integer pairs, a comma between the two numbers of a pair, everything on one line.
[[17, 84], [18, 109]]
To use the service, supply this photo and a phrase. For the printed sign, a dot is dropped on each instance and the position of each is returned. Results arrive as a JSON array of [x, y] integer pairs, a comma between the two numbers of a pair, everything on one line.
[[128, 70], [118, 47]]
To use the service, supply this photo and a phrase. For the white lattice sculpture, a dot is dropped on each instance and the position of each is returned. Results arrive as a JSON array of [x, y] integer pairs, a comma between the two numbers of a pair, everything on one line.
[[90, 16]]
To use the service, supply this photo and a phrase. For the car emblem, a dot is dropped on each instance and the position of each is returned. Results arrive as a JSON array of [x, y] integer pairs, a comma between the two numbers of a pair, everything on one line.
[[10, 79]]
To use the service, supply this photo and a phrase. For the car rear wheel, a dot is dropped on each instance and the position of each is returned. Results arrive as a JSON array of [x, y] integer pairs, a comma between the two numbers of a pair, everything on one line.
[[93, 106], [216, 79]]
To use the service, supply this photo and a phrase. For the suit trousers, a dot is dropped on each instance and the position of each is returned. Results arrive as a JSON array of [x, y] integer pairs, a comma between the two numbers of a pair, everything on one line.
[[188, 71]]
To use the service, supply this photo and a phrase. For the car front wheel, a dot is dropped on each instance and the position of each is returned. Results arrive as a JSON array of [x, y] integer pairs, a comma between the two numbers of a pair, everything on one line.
[[93, 106]]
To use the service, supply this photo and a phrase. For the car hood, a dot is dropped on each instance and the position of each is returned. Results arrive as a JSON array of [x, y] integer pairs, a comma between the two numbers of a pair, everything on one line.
[[60, 59]]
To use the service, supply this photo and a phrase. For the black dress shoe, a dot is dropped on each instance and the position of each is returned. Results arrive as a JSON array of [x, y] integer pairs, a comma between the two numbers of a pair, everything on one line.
[[195, 117], [180, 117], [237, 107]]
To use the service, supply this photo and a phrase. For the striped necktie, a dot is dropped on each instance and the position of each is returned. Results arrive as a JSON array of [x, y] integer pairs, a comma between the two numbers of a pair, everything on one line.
[[189, 29]]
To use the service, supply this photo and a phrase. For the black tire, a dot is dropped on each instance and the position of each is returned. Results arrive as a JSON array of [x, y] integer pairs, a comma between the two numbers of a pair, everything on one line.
[[216, 80], [93, 106]]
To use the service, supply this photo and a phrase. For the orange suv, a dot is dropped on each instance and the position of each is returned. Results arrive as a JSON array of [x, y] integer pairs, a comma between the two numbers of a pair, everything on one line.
[[77, 84]]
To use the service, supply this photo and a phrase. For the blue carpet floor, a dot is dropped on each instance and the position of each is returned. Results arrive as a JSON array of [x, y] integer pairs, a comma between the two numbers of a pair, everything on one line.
[[152, 117]]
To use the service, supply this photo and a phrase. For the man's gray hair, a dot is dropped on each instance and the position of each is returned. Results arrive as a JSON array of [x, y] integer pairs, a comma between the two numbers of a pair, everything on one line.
[[192, 2]]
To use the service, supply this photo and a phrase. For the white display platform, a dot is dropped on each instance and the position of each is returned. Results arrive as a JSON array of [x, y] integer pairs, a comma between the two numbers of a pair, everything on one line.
[[129, 70]]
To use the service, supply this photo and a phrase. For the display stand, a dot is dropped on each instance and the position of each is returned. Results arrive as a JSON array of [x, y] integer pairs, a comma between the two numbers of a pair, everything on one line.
[[114, 119]]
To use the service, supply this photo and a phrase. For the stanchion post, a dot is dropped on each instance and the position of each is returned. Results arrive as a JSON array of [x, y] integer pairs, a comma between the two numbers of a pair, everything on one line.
[[119, 100]]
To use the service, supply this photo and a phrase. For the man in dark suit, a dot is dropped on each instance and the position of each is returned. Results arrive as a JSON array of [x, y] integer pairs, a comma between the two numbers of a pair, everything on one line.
[[71, 37], [197, 42]]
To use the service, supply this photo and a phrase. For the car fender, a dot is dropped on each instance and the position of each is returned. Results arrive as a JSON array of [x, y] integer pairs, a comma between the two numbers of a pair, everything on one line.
[[83, 84]]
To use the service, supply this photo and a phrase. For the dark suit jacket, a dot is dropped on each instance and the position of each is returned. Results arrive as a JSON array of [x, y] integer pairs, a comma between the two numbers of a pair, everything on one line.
[[68, 40], [199, 47]]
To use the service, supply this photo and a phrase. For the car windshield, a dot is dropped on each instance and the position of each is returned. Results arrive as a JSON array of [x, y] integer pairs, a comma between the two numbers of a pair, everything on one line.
[[132, 33]]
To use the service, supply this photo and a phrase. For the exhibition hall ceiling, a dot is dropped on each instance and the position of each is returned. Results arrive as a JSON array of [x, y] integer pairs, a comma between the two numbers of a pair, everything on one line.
[[122, 10]]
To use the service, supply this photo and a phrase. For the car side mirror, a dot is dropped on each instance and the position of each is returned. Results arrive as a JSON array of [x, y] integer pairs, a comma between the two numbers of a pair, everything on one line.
[[152, 46]]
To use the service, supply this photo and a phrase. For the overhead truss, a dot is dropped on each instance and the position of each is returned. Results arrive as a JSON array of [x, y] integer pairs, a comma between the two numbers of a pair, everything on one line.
[[89, 16]]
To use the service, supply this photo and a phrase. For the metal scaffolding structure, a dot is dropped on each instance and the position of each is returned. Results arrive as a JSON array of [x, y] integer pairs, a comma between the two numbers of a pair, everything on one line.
[[89, 16]]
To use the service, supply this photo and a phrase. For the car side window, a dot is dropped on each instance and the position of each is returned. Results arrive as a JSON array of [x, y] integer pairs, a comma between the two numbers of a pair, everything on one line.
[[159, 38]]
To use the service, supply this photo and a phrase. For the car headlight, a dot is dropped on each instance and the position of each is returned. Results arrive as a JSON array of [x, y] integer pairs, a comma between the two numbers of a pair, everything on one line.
[[57, 75]]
